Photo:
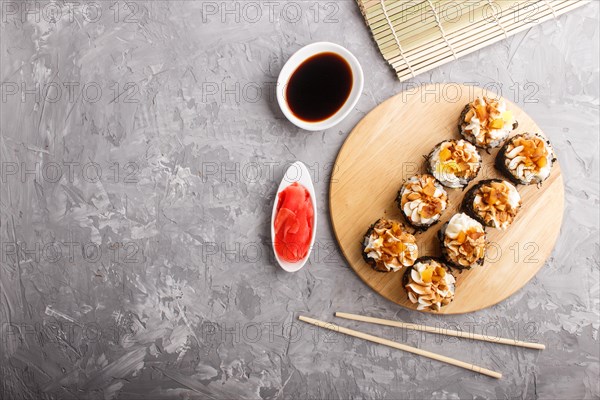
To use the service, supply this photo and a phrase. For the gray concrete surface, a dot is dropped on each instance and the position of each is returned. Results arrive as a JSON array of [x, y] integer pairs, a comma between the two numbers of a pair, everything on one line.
[[141, 149]]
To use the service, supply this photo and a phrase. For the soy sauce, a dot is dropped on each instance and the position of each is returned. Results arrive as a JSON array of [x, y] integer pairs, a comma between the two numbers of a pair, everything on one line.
[[319, 87]]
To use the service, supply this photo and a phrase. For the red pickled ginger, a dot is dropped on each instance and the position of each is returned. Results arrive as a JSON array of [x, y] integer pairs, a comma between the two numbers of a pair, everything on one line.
[[293, 223]]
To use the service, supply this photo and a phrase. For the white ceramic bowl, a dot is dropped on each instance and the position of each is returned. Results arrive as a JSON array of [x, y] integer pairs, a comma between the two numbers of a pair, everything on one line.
[[297, 172], [296, 60]]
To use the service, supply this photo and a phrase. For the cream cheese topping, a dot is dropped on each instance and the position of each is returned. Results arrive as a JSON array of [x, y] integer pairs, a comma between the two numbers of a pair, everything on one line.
[[461, 223]]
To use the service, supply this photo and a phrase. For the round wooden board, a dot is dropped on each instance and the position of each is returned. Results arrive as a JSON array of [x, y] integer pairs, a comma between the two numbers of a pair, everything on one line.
[[387, 147]]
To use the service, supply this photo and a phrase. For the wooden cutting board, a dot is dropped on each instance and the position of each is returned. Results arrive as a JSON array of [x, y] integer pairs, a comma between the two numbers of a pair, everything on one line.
[[387, 147]]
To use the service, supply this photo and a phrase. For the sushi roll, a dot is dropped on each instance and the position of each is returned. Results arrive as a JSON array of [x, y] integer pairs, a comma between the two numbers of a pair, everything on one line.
[[454, 163], [429, 284], [493, 202], [422, 200], [387, 246], [486, 122], [463, 242], [526, 158]]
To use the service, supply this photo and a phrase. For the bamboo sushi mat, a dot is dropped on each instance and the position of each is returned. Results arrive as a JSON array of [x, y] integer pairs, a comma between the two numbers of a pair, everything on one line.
[[416, 36]]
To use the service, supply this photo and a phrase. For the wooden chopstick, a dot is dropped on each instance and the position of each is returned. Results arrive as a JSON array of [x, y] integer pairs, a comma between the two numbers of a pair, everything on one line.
[[448, 332], [400, 346]]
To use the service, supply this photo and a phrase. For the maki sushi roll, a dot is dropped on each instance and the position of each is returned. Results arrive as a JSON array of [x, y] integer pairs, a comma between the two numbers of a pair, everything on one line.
[[486, 122], [454, 163], [422, 200], [493, 202], [387, 246], [463, 241], [526, 158], [429, 284]]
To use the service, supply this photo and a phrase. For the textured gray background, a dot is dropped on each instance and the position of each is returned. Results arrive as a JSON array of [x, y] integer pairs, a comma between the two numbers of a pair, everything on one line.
[[156, 279]]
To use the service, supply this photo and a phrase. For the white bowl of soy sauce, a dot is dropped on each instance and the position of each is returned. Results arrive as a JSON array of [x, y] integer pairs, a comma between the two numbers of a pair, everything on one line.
[[319, 85]]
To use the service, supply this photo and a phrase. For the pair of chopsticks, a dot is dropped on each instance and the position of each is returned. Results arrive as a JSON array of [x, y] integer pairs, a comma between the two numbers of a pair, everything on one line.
[[414, 350]]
